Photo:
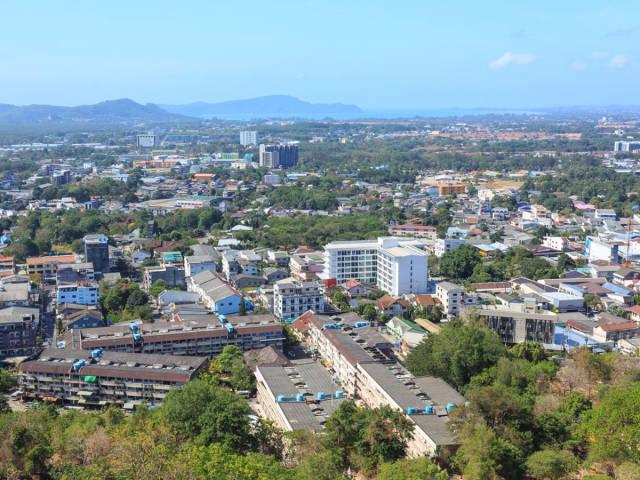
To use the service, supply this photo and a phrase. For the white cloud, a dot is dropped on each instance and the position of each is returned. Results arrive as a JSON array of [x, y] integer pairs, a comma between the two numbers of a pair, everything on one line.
[[598, 55], [511, 58], [618, 60], [577, 65]]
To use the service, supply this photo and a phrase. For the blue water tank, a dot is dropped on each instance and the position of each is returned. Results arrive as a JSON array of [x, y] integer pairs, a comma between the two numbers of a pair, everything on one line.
[[429, 410], [299, 397], [281, 398], [450, 406], [137, 337], [361, 324], [96, 354], [222, 318], [78, 365], [411, 411], [133, 326], [320, 396], [229, 327], [339, 394]]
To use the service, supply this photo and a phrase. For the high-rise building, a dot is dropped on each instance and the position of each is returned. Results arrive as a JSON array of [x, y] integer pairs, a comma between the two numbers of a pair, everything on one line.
[[96, 251], [278, 156], [147, 140], [626, 146], [248, 137], [394, 265]]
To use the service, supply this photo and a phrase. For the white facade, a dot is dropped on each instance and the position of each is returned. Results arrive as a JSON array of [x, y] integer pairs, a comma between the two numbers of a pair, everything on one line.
[[452, 298], [623, 146], [292, 298], [444, 245], [147, 140], [394, 265], [555, 243], [248, 137]]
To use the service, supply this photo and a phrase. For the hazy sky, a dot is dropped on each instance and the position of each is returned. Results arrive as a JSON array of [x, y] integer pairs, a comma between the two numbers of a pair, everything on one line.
[[374, 53]]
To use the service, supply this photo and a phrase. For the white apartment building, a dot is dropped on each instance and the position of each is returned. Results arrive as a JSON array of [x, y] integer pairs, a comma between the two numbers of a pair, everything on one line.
[[291, 298], [452, 298], [626, 146], [555, 243], [248, 137], [395, 265], [444, 245]]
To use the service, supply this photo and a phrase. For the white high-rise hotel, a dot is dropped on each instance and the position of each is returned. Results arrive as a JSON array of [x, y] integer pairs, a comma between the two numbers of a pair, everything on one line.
[[395, 265]]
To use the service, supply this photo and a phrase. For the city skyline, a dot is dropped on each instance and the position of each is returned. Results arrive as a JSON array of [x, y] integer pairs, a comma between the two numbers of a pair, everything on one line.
[[423, 56]]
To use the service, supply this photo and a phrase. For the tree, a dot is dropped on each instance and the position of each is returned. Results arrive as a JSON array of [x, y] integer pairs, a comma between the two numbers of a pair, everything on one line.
[[612, 429], [209, 414], [411, 469], [530, 351], [7, 380], [485, 456], [369, 312], [551, 464], [456, 354], [157, 288], [460, 263]]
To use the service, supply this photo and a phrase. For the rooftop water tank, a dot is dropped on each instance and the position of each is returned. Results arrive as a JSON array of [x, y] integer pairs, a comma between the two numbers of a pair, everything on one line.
[[320, 396], [299, 397], [429, 410], [339, 394], [281, 398], [411, 411], [450, 406]]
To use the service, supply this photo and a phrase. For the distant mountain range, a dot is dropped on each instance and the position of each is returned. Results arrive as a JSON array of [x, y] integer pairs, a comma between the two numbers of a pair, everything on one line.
[[276, 105], [109, 112]]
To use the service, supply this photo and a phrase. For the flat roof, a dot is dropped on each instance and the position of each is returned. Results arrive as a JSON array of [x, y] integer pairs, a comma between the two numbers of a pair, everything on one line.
[[305, 377]]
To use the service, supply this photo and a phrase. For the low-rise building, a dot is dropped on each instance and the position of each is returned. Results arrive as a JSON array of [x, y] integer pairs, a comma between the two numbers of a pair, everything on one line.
[[453, 298], [291, 298], [84, 293], [198, 334], [97, 378], [300, 396], [18, 330]]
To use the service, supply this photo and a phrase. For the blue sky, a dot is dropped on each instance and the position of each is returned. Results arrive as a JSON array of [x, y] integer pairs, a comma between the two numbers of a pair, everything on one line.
[[401, 54]]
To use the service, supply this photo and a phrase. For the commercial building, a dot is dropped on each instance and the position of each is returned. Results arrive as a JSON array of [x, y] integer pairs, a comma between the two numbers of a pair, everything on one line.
[[200, 334], [291, 298], [96, 251], [248, 137], [395, 265], [97, 378], [300, 396], [18, 329]]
